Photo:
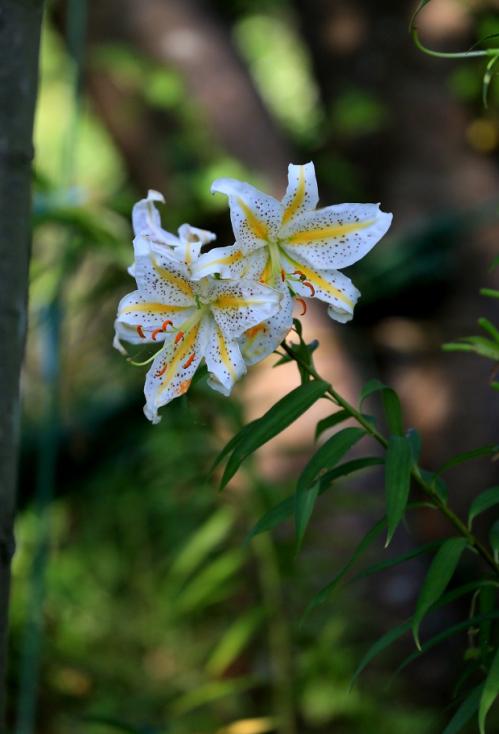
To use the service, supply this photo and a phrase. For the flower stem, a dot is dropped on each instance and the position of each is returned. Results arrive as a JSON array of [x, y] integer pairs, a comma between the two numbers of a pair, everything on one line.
[[426, 486]]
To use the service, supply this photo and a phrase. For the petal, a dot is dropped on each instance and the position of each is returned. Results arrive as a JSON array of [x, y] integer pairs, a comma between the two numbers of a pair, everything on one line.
[[255, 216], [264, 338], [160, 276], [172, 370], [224, 360], [335, 236], [138, 310], [230, 262], [146, 220], [193, 234], [301, 194], [332, 287], [239, 305]]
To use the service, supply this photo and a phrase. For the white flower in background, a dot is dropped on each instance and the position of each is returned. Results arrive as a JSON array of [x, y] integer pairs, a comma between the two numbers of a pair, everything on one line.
[[146, 222], [293, 246], [195, 320]]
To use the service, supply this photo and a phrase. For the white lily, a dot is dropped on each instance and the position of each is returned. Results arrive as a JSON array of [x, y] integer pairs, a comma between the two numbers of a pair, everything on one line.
[[291, 245], [195, 320], [146, 222]]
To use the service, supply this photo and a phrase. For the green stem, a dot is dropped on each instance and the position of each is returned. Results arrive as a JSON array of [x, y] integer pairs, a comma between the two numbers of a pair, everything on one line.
[[451, 55], [416, 471]]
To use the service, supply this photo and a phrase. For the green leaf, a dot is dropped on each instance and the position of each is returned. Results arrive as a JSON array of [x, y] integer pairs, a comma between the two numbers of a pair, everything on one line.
[[439, 574], [494, 538], [464, 713], [391, 404], [331, 421], [364, 544], [484, 501], [398, 465], [487, 599], [285, 508], [234, 441], [383, 565], [488, 450], [444, 635], [307, 487], [490, 691], [490, 328], [397, 632], [414, 439], [490, 292], [275, 420], [234, 640], [487, 78], [304, 507]]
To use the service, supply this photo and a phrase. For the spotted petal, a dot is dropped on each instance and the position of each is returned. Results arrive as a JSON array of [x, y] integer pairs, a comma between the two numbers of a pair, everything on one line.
[[302, 194], [255, 216], [332, 287], [239, 305], [224, 360], [230, 262], [173, 368], [336, 236], [161, 276], [141, 317], [146, 220], [261, 340]]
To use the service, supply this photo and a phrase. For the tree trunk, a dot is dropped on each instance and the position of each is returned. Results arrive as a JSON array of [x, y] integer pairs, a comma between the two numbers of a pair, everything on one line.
[[20, 23]]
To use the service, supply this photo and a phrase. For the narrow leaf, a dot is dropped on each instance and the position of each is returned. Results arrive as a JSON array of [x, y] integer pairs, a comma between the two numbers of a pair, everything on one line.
[[383, 565], [331, 421], [490, 691], [488, 450], [439, 574], [304, 506], [285, 509], [307, 487], [465, 712], [414, 439], [398, 465], [397, 632], [391, 404], [364, 544], [494, 538], [484, 501], [275, 420]]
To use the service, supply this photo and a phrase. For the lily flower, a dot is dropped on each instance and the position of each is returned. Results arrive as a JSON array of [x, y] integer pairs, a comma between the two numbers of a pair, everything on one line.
[[194, 321], [146, 222], [294, 246]]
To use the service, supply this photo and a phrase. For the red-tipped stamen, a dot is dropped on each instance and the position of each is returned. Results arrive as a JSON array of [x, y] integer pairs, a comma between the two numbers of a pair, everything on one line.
[[140, 332], [155, 333], [189, 361], [179, 336], [309, 285], [299, 273], [165, 324], [303, 305], [283, 275]]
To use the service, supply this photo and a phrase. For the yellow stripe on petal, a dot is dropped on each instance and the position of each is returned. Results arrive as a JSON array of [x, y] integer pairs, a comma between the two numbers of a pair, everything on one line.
[[317, 280], [183, 350], [224, 355], [257, 227], [323, 233], [151, 308], [227, 300], [177, 281], [297, 199], [229, 259]]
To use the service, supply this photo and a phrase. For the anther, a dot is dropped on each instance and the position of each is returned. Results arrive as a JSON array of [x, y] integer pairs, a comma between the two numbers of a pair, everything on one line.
[[189, 361], [283, 275], [301, 275], [179, 336], [165, 324], [140, 332], [309, 285], [155, 333], [304, 306]]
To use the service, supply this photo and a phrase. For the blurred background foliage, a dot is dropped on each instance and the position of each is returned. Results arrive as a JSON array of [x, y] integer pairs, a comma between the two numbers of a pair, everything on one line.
[[137, 606]]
